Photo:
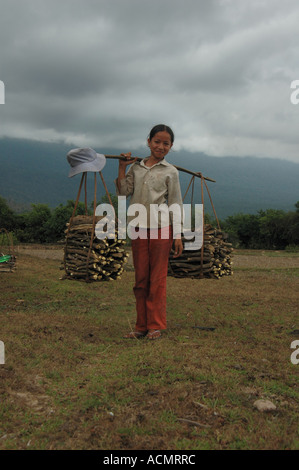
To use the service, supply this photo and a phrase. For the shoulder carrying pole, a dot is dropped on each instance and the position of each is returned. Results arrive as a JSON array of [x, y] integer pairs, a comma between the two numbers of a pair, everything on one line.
[[198, 174]]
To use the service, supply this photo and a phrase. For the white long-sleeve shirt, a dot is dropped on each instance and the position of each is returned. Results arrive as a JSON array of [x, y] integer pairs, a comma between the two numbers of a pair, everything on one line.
[[151, 187]]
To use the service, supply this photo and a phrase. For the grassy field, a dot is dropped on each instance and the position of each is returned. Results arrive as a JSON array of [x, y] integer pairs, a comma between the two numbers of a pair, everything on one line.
[[70, 381]]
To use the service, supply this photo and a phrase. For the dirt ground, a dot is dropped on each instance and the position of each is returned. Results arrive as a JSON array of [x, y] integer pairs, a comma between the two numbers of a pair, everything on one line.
[[72, 382], [240, 258]]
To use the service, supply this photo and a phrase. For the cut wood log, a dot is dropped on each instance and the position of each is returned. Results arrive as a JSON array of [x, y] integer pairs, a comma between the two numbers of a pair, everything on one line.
[[88, 258], [212, 261]]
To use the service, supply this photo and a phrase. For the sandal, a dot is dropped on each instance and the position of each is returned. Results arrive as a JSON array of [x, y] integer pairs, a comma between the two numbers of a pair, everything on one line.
[[154, 334], [135, 334]]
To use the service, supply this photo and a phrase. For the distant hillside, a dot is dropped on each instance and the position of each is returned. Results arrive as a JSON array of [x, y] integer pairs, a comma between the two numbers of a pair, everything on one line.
[[246, 184], [34, 172]]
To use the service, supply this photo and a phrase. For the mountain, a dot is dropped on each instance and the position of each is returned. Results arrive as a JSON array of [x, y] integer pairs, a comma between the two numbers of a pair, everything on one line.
[[247, 184], [36, 172]]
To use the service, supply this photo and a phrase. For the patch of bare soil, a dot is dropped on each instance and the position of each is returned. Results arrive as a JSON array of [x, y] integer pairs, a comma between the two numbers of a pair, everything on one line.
[[53, 252], [261, 260], [41, 251]]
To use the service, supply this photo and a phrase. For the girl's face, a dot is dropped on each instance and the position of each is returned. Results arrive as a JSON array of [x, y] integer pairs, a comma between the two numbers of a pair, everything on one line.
[[160, 145]]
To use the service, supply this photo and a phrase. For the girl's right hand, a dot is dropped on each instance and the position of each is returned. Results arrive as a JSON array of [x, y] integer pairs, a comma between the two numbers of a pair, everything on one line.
[[123, 163]]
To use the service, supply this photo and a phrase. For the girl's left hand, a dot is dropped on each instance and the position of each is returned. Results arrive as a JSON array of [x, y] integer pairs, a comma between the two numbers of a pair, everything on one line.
[[178, 247]]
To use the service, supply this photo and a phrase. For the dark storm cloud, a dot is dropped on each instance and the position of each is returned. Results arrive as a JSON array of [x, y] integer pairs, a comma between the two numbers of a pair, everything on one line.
[[103, 72]]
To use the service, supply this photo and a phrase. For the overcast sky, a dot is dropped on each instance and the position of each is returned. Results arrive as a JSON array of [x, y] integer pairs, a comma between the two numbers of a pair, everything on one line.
[[101, 73]]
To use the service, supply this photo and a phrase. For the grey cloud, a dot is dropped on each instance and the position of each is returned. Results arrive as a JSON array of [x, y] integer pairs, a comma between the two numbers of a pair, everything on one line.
[[105, 71]]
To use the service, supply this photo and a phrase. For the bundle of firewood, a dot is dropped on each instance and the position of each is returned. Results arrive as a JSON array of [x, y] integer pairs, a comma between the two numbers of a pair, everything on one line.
[[213, 261], [101, 260]]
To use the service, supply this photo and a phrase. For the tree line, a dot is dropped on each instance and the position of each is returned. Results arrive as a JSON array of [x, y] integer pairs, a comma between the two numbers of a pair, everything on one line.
[[267, 229]]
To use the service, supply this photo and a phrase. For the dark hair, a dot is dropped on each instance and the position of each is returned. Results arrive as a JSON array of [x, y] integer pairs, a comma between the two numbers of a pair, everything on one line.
[[161, 128]]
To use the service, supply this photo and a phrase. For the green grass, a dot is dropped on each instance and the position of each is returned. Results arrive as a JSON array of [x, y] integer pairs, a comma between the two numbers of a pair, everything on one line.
[[269, 253], [71, 381]]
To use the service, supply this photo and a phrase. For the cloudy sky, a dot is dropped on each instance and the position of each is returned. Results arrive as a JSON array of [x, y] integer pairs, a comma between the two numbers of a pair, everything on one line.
[[101, 73]]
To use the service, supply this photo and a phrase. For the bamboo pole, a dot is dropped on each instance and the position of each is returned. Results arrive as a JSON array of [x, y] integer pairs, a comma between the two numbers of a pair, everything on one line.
[[198, 174]]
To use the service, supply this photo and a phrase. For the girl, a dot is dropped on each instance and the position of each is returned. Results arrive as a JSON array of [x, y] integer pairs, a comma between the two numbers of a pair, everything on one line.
[[152, 181]]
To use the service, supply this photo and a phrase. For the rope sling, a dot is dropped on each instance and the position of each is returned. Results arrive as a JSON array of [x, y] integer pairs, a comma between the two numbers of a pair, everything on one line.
[[213, 260], [87, 258]]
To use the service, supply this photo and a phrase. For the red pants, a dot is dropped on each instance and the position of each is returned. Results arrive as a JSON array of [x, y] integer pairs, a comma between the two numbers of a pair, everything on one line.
[[150, 257]]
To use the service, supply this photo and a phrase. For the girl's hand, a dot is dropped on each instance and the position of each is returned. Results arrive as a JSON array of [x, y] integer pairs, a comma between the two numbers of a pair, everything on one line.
[[178, 247], [122, 166], [123, 163]]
